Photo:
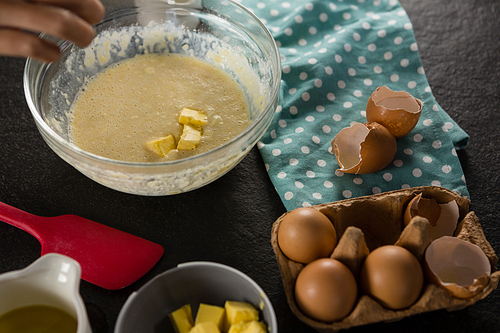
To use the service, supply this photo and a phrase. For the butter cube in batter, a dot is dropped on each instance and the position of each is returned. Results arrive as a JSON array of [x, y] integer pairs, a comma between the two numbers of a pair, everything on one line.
[[193, 117], [182, 319], [190, 138], [252, 326], [237, 312], [206, 327], [210, 313], [161, 146]]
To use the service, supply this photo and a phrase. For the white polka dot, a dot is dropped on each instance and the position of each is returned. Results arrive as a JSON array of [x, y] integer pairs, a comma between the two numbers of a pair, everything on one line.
[[405, 186], [338, 58], [320, 108], [299, 130], [346, 16], [387, 177], [261, 5], [293, 110], [436, 183], [293, 161], [303, 76], [412, 84], [330, 96], [357, 181], [309, 6], [362, 60], [351, 72], [382, 33], [347, 105], [287, 141], [285, 4], [408, 26], [427, 122], [326, 129], [418, 137], [388, 55], [435, 107], [356, 37], [367, 82], [321, 163], [414, 47], [328, 70], [317, 195], [313, 30], [310, 174], [447, 126], [420, 70], [404, 62], [288, 31], [357, 93], [292, 91], [341, 84], [398, 163], [276, 152], [288, 196], [339, 173], [292, 50], [305, 149], [454, 152], [377, 69], [416, 172], [408, 151], [318, 83], [427, 159], [274, 12], [436, 144], [366, 25], [322, 50], [446, 168], [394, 77], [281, 175], [347, 47], [392, 22], [310, 118], [312, 61], [372, 47], [273, 134], [306, 204], [299, 19], [328, 184], [347, 194], [376, 190], [376, 16], [286, 69], [398, 40], [302, 42], [332, 40], [323, 17], [306, 96], [337, 117], [333, 6]]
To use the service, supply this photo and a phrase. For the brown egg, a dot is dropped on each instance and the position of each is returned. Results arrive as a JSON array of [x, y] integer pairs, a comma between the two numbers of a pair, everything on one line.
[[398, 111], [326, 290], [364, 148], [392, 276], [306, 234]]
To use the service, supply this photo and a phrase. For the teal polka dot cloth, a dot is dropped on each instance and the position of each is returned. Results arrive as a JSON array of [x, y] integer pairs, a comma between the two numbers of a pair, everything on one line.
[[334, 55]]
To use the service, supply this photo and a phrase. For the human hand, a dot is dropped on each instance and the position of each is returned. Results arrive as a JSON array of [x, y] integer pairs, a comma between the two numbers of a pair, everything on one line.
[[21, 20]]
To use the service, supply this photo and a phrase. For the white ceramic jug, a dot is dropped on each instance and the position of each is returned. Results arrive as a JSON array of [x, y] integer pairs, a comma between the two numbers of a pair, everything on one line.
[[52, 280]]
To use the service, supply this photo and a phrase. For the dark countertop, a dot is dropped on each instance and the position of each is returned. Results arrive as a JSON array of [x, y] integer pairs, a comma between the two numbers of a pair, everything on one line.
[[459, 42]]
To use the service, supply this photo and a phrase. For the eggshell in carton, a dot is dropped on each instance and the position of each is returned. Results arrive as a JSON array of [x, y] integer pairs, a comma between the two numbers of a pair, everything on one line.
[[368, 222]]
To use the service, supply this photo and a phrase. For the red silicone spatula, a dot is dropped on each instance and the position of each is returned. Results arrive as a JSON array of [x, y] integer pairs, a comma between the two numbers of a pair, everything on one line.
[[109, 258]]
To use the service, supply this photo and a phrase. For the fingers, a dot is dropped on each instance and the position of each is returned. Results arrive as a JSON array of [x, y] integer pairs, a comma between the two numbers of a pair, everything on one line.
[[57, 22], [16, 43], [91, 11]]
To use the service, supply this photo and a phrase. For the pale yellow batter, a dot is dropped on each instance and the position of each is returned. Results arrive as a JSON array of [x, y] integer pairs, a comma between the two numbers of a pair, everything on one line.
[[140, 99]]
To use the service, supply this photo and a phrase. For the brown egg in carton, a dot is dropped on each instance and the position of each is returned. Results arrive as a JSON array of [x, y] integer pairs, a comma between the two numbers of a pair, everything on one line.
[[368, 222]]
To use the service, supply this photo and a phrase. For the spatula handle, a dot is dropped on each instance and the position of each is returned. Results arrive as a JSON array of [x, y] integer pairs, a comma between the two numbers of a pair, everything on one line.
[[19, 218]]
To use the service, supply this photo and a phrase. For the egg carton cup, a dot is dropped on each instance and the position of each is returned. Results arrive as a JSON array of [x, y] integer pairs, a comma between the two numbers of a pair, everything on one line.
[[368, 222]]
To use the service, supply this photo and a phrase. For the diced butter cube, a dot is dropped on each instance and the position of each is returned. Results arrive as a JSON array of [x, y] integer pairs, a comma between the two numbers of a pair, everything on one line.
[[239, 312], [253, 326], [182, 319], [161, 146], [206, 327], [190, 138], [193, 117], [210, 313]]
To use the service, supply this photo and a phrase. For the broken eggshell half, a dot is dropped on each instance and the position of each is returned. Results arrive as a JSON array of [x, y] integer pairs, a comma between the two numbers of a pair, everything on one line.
[[443, 217], [398, 111], [364, 148], [459, 267]]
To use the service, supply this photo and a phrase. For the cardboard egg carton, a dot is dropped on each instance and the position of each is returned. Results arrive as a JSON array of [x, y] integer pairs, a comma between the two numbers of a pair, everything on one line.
[[365, 223]]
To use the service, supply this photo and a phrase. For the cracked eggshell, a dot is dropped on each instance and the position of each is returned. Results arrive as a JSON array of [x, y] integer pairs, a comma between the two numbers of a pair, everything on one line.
[[443, 217], [459, 267], [398, 111], [364, 148]]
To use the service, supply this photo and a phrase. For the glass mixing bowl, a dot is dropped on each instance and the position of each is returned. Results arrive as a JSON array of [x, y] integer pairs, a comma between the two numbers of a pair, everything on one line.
[[223, 33]]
